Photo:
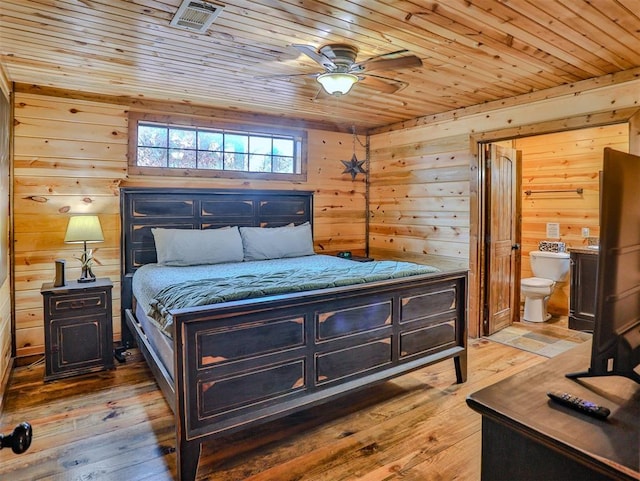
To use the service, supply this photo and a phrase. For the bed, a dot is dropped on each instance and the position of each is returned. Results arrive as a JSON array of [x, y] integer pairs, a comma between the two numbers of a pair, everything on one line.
[[239, 362]]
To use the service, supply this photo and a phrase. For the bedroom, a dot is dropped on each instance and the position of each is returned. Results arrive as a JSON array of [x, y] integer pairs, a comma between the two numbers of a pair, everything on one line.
[[70, 141]]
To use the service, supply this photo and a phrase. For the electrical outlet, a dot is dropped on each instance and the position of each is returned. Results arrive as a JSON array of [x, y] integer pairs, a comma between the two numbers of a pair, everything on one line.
[[585, 232]]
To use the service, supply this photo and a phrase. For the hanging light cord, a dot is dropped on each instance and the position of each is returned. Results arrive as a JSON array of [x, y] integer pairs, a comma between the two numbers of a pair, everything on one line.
[[367, 186], [355, 137]]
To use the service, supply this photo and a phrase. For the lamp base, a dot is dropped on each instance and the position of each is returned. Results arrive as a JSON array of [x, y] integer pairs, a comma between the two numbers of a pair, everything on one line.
[[87, 275], [87, 279]]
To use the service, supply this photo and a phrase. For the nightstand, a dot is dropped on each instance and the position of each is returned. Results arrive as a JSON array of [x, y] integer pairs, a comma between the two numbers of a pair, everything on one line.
[[78, 332]]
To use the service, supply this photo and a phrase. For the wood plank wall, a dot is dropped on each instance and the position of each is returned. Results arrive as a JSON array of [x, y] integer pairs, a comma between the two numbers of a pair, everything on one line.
[[454, 134], [559, 161], [419, 197], [70, 157], [420, 193], [5, 287], [5, 334]]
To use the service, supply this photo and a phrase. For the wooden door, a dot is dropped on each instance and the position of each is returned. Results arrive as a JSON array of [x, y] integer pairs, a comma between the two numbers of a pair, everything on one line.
[[502, 239]]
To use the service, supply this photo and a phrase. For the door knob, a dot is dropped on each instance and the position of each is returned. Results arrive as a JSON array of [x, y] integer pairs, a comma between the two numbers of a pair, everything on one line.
[[515, 247]]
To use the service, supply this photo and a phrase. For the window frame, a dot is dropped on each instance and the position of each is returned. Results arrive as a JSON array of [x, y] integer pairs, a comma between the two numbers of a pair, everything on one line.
[[215, 124]]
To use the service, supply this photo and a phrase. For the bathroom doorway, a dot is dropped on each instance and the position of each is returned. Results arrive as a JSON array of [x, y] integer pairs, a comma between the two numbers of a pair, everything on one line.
[[556, 182]]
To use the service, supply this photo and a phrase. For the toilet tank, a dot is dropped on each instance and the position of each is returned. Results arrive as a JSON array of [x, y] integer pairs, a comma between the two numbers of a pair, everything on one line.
[[550, 265]]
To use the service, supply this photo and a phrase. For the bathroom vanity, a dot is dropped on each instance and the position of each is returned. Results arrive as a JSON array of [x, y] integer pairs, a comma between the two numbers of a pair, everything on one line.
[[582, 293]]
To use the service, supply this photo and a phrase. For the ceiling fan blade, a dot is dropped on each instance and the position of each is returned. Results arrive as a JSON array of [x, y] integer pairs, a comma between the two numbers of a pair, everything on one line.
[[313, 54], [382, 63], [382, 84]]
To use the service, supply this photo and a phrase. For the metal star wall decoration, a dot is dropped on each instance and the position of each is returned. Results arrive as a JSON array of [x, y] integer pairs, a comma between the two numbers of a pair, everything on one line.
[[353, 167]]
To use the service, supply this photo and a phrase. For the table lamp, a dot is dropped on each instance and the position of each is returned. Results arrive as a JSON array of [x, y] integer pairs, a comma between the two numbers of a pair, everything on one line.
[[84, 229]]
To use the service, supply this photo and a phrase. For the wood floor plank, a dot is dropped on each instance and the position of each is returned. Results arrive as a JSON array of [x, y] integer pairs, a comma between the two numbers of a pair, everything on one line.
[[459, 461], [374, 433], [116, 425]]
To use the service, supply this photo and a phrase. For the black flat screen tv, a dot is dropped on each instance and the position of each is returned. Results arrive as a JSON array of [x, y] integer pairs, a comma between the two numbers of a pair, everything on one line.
[[616, 336]]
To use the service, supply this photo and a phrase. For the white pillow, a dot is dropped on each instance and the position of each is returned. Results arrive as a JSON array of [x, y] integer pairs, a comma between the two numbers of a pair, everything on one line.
[[261, 243], [188, 247]]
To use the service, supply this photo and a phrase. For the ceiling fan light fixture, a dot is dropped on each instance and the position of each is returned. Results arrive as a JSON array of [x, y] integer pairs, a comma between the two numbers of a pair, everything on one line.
[[337, 83]]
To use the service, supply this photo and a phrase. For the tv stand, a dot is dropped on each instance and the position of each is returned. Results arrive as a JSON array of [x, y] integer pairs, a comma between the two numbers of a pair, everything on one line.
[[634, 376], [623, 360], [526, 436]]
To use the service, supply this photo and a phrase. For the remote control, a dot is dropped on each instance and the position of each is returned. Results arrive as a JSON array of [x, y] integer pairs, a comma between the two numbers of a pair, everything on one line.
[[574, 402]]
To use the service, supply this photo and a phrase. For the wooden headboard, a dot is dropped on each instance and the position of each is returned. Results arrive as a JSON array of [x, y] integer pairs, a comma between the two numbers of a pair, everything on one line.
[[144, 208]]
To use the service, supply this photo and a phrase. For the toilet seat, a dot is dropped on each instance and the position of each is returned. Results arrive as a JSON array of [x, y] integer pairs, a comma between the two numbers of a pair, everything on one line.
[[536, 282]]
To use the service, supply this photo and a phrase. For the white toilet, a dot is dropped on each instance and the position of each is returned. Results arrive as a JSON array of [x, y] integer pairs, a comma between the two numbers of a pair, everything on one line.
[[549, 268]]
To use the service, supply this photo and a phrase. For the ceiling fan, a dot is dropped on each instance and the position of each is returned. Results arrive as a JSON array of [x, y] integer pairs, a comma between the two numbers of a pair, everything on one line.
[[341, 71]]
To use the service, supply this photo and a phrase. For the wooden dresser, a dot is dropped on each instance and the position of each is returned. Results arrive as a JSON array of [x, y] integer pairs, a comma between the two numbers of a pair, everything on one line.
[[526, 436]]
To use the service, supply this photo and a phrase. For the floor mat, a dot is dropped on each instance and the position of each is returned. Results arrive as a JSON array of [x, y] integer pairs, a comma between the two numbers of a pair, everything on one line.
[[549, 343]]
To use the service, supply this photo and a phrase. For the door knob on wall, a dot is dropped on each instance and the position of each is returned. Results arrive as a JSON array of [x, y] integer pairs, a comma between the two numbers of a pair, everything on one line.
[[19, 440], [515, 247]]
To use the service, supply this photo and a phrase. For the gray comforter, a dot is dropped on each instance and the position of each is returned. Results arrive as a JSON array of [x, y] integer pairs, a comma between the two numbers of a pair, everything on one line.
[[276, 278]]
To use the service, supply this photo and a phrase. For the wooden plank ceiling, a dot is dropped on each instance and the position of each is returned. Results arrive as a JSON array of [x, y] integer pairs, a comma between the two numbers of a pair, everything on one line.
[[473, 51]]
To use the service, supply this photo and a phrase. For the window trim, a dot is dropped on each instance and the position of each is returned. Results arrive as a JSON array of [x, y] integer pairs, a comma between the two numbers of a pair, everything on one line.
[[192, 121]]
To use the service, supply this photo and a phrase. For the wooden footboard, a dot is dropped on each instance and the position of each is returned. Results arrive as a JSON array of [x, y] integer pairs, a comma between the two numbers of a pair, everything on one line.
[[244, 363]]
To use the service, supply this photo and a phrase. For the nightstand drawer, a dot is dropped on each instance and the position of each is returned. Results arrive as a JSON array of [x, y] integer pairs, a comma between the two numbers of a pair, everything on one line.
[[85, 302]]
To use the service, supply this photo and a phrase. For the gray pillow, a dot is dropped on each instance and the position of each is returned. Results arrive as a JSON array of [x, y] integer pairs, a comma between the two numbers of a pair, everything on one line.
[[187, 247], [261, 243]]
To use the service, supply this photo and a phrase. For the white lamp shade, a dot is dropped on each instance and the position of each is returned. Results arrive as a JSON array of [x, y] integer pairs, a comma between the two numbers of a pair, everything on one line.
[[84, 228], [336, 83]]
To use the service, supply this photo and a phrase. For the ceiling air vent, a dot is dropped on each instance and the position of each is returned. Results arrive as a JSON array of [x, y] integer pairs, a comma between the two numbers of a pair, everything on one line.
[[196, 16]]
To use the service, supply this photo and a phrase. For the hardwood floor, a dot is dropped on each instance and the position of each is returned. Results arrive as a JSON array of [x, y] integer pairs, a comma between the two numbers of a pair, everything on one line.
[[116, 426]]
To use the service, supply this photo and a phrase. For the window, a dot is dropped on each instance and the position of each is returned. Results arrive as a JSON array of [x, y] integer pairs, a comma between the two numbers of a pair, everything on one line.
[[191, 147]]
